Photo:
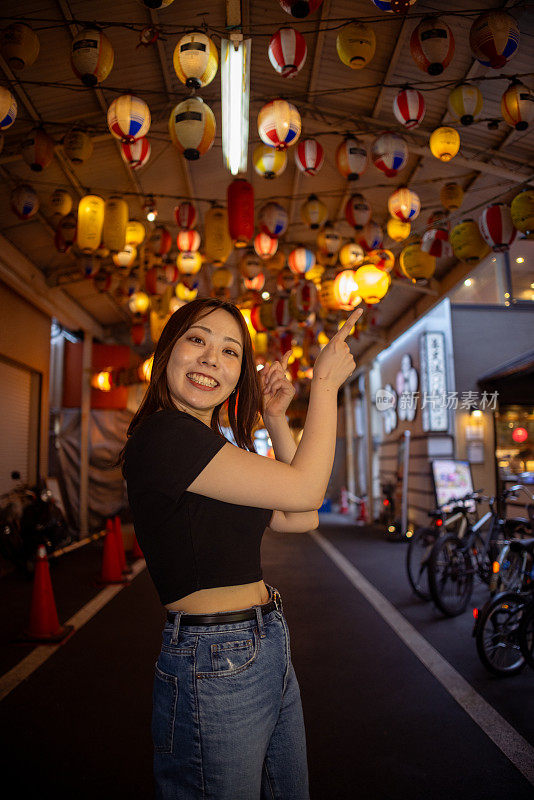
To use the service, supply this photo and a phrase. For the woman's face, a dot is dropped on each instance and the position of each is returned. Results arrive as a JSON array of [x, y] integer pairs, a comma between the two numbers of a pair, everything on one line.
[[211, 348]]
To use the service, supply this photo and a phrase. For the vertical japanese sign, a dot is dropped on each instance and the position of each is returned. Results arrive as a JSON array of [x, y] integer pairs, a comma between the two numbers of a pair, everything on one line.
[[435, 415]]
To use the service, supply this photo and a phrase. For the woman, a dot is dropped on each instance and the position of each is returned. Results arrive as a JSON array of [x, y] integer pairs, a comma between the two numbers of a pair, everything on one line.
[[227, 719]]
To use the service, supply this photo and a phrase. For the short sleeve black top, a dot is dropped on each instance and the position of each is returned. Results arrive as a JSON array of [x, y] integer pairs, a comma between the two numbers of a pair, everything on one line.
[[190, 542]]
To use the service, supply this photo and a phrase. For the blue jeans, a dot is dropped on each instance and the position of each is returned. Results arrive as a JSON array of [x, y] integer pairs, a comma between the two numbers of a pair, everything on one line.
[[227, 720]]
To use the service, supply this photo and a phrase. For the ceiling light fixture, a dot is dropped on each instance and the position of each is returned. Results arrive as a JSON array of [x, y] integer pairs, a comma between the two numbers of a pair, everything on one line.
[[235, 83]]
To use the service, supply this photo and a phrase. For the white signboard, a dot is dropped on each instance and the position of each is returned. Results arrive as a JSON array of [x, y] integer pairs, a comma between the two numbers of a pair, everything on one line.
[[435, 415]]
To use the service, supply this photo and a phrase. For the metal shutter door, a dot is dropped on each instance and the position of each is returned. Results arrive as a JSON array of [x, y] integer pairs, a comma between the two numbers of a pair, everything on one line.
[[15, 391]]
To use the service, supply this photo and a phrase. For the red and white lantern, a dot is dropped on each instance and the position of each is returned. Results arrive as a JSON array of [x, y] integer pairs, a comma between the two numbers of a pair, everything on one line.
[[38, 149], [389, 153], [273, 219], [436, 243], [404, 204], [287, 52], [160, 241], [357, 211], [137, 153], [309, 156], [188, 240], [186, 215], [371, 237], [409, 108], [301, 260], [496, 227], [265, 245], [279, 124]]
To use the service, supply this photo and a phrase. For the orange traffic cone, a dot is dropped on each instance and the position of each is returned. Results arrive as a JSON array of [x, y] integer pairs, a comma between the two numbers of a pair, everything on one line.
[[363, 512], [44, 623], [344, 508], [111, 565], [120, 544], [136, 550]]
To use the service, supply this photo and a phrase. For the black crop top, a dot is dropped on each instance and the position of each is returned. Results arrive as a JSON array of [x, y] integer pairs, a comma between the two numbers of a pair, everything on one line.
[[190, 542]]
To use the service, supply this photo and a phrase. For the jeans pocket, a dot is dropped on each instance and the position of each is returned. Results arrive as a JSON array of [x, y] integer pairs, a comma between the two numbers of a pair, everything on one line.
[[164, 700]]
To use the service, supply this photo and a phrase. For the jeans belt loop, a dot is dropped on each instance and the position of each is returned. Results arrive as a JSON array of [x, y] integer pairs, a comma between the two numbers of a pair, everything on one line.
[[259, 618], [176, 627]]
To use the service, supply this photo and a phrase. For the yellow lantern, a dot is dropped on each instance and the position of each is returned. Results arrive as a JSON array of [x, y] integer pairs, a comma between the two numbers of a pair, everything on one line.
[[356, 45], [373, 283], [346, 290], [77, 146], [315, 273], [269, 162], [217, 240], [465, 103], [416, 264], [398, 230], [451, 196], [139, 303], [90, 222], [326, 259], [467, 242], [192, 127], [383, 259], [189, 263], [222, 278], [276, 262], [91, 56], [59, 204], [19, 45], [314, 212], [195, 60], [183, 292], [135, 233], [115, 223], [444, 143], [522, 209], [125, 258], [351, 255]]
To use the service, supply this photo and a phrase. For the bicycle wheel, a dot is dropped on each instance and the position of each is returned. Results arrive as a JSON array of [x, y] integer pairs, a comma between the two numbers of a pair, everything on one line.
[[497, 634], [417, 555], [450, 575], [526, 634]]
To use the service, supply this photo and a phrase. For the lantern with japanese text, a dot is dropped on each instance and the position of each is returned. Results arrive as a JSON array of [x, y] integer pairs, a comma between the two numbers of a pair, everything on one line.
[[192, 127], [389, 153], [38, 149], [188, 240], [268, 162], [301, 260], [328, 240], [373, 283], [160, 241], [517, 105], [357, 211], [409, 108], [273, 219], [417, 264], [279, 124], [217, 240], [91, 56], [59, 204], [195, 60], [444, 143], [250, 265], [496, 227], [451, 196], [115, 223], [135, 232], [351, 158], [65, 235], [240, 198], [287, 52], [356, 44], [300, 8], [494, 38], [404, 204], [314, 212], [371, 236], [125, 259], [90, 222], [188, 262], [465, 103], [136, 154], [398, 230], [467, 242], [309, 156], [8, 109], [436, 243], [19, 45], [351, 255], [522, 210], [24, 201], [265, 245], [432, 45], [128, 118]]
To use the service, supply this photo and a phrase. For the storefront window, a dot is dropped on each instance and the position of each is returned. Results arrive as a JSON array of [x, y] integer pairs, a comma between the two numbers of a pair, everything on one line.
[[500, 279], [514, 435], [522, 270]]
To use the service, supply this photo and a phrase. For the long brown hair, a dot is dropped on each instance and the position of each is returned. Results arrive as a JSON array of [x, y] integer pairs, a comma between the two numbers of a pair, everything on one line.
[[245, 401]]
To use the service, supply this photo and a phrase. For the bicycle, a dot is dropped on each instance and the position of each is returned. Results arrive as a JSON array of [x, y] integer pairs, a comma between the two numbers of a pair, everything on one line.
[[497, 632], [526, 634]]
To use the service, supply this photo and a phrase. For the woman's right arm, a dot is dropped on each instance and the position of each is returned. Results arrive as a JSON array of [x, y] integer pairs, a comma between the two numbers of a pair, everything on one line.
[[237, 476]]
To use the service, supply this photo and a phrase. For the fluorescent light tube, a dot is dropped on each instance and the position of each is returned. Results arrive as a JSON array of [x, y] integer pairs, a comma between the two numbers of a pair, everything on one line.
[[235, 89]]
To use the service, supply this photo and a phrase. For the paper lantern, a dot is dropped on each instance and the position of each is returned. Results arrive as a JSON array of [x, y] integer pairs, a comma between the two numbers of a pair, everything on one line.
[[314, 212], [301, 260], [125, 258], [188, 240], [328, 240], [315, 274], [155, 281], [59, 204], [465, 103], [494, 38], [517, 105], [128, 118], [250, 265], [383, 259], [351, 255], [373, 283], [309, 156], [160, 241], [404, 204], [287, 52], [90, 222], [217, 240], [398, 230], [435, 242], [156, 4], [195, 60], [339, 293], [371, 236], [136, 154], [8, 109], [273, 219], [432, 45], [19, 45], [115, 223], [389, 153], [522, 211], [265, 245], [303, 301], [276, 262], [222, 278], [91, 56], [186, 293], [409, 108], [416, 264], [451, 196], [192, 127], [186, 215], [189, 263], [240, 198], [268, 162], [279, 124], [38, 149], [356, 45], [496, 227], [139, 303], [135, 233], [351, 158], [444, 143], [357, 211], [65, 233], [300, 8], [467, 242], [77, 146], [326, 259], [24, 201], [392, 5]]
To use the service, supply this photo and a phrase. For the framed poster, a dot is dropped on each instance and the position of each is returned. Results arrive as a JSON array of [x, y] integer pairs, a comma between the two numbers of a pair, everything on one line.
[[452, 478], [434, 409]]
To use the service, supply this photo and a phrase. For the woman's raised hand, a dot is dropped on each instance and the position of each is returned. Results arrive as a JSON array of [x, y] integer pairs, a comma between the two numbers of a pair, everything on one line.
[[278, 391], [335, 363]]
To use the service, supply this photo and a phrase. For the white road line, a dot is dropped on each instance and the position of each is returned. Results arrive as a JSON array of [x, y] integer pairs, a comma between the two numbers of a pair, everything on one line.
[[507, 739], [42, 652]]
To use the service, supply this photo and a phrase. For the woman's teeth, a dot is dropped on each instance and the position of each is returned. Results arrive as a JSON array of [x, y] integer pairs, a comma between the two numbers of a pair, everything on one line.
[[202, 380]]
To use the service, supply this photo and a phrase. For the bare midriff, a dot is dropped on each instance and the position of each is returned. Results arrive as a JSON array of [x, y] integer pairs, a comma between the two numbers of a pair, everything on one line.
[[222, 598]]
